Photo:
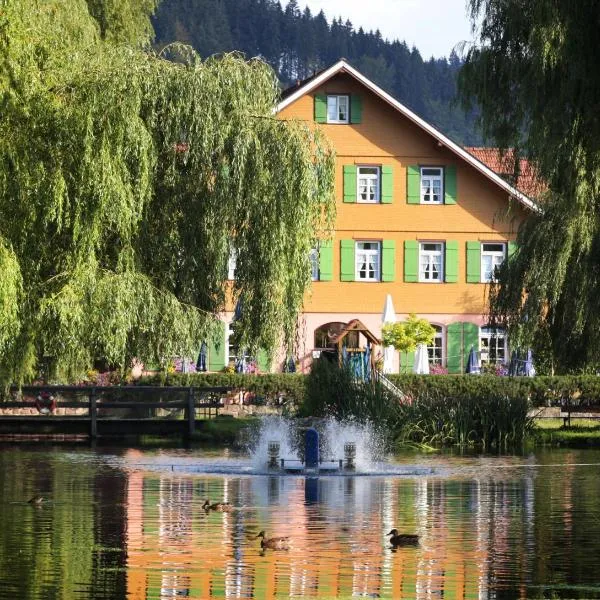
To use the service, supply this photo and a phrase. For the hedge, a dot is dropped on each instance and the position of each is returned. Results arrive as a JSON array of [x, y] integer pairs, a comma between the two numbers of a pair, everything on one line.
[[268, 386], [541, 391]]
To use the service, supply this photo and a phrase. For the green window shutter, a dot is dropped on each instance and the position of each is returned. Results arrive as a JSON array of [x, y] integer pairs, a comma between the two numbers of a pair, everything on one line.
[[413, 184], [411, 261], [216, 350], [388, 260], [347, 260], [326, 261], [512, 248], [470, 338], [262, 361], [454, 348], [350, 183], [450, 185], [355, 109], [321, 108], [387, 184], [407, 360], [451, 270], [473, 262]]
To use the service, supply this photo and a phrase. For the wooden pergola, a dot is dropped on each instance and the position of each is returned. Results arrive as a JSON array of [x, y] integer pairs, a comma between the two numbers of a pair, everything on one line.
[[362, 329]]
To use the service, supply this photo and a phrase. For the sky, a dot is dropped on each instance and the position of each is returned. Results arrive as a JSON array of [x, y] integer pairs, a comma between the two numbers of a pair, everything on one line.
[[433, 26]]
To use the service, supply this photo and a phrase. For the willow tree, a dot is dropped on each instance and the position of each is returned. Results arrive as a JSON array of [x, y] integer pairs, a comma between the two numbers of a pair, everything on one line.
[[126, 179], [534, 74]]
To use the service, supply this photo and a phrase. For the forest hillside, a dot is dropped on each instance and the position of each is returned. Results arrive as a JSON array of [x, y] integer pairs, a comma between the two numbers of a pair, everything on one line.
[[297, 43]]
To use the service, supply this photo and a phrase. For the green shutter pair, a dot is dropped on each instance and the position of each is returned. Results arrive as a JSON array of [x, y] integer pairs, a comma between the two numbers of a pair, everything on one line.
[[348, 263], [407, 361], [411, 261], [460, 337], [216, 349], [413, 184], [350, 184], [474, 260], [321, 109]]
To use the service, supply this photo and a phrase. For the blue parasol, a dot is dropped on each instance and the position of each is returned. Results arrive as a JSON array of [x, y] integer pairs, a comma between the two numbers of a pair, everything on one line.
[[201, 362], [473, 367]]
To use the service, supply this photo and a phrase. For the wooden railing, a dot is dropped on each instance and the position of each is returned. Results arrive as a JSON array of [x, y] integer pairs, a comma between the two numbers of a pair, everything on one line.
[[195, 398]]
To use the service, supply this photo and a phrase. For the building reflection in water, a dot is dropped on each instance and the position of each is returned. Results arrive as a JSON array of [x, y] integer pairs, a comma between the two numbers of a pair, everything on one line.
[[469, 529]]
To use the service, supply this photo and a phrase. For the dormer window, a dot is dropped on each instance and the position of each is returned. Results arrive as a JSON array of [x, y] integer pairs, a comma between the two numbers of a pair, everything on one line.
[[338, 109]]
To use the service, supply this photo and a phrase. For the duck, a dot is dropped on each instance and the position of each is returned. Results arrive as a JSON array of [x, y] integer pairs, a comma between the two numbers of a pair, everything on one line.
[[37, 500], [403, 539], [275, 543], [217, 506]]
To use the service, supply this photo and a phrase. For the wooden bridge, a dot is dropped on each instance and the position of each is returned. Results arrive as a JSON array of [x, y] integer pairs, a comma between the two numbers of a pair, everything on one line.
[[101, 402]]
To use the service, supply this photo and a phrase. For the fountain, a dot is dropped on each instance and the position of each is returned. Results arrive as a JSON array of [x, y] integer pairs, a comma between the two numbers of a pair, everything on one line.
[[312, 463]]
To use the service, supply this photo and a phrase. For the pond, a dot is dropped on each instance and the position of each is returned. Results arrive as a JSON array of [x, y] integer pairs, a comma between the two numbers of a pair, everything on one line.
[[129, 523]]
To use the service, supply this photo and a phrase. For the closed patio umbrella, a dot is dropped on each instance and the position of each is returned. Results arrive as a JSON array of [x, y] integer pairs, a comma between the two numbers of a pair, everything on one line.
[[421, 364], [389, 316], [529, 368], [201, 362], [473, 367]]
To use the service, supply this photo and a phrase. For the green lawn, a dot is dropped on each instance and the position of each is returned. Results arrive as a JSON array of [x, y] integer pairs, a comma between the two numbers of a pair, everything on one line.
[[582, 432]]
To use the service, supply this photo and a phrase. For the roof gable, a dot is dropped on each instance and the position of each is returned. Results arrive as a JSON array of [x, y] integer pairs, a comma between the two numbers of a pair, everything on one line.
[[342, 66]]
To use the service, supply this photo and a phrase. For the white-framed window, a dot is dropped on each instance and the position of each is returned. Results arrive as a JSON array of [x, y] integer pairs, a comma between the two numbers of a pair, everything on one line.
[[435, 352], [492, 256], [431, 262], [432, 185], [367, 261], [492, 345], [313, 257], [232, 263], [338, 109], [368, 180], [233, 353]]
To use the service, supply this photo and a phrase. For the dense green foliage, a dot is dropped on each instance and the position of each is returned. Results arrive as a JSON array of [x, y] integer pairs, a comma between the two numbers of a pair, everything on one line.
[[334, 391], [125, 181], [297, 44], [535, 77], [490, 421]]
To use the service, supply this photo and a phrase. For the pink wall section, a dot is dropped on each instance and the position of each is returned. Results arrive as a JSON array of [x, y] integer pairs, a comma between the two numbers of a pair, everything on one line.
[[309, 322]]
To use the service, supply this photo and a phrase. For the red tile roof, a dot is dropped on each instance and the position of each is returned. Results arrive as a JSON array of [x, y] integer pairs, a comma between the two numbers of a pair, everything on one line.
[[528, 181]]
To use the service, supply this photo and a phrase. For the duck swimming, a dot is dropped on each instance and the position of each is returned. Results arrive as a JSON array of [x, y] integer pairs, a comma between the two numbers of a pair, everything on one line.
[[403, 539], [37, 500], [275, 543], [217, 506]]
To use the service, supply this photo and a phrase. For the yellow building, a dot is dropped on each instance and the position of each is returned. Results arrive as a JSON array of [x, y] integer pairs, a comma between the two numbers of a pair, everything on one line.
[[418, 217]]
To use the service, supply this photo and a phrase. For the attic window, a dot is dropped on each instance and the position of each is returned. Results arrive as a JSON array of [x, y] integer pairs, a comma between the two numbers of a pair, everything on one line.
[[338, 109]]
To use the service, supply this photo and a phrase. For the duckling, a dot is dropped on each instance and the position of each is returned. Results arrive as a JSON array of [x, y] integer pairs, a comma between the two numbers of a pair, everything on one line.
[[217, 506], [275, 543], [404, 539], [36, 500]]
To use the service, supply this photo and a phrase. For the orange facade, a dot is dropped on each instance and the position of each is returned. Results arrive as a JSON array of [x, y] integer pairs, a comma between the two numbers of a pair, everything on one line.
[[483, 212]]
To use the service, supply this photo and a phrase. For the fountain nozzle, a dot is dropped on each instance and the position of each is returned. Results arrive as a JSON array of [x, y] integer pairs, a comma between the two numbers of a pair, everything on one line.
[[349, 455], [273, 452]]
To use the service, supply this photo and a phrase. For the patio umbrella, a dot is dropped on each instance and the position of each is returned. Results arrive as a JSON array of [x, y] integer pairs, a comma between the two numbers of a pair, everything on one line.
[[529, 368], [389, 316], [421, 364], [367, 363], [201, 362], [473, 367]]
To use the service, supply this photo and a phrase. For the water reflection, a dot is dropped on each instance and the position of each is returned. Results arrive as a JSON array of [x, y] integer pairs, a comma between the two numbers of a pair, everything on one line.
[[503, 527]]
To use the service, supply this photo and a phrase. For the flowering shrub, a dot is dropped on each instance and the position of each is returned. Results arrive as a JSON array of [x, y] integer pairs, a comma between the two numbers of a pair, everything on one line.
[[497, 369], [437, 370]]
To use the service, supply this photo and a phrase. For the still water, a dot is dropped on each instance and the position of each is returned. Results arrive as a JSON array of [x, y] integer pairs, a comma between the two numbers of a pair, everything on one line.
[[129, 524]]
